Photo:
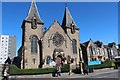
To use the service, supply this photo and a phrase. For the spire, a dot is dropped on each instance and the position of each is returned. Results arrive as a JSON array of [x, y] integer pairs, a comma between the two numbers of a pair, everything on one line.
[[67, 19], [33, 13]]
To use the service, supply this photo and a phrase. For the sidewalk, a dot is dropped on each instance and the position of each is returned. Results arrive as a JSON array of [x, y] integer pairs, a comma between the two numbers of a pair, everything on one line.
[[65, 75]]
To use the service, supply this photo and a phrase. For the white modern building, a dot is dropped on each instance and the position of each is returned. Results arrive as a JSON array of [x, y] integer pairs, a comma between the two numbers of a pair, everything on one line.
[[7, 47]]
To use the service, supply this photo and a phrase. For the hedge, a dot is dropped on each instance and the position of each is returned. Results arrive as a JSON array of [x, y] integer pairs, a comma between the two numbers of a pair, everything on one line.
[[13, 70]]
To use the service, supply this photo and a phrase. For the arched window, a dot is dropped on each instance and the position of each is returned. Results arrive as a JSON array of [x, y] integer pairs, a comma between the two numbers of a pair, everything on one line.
[[91, 50], [34, 22], [74, 46], [48, 59], [34, 42]]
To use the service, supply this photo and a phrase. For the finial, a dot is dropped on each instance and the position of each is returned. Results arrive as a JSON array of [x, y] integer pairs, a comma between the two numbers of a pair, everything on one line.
[[65, 4], [55, 20]]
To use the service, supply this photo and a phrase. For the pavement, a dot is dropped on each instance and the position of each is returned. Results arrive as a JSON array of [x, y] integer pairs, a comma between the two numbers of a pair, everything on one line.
[[66, 75]]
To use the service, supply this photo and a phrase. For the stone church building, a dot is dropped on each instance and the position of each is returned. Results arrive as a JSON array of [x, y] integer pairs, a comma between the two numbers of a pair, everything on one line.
[[39, 47]]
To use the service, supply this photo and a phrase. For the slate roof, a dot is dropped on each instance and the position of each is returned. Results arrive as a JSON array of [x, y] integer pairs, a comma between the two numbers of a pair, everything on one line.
[[67, 19], [86, 43], [98, 43], [33, 11]]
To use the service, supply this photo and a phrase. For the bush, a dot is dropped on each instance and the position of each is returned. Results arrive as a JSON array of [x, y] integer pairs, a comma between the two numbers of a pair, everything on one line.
[[16, 71], [77, 71], [65, 68]]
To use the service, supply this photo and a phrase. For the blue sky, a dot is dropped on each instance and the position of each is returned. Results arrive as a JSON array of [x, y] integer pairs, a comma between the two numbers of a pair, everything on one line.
[[96, 20]]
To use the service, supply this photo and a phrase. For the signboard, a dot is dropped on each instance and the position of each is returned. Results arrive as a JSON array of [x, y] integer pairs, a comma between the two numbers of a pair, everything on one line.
[[94, 62]]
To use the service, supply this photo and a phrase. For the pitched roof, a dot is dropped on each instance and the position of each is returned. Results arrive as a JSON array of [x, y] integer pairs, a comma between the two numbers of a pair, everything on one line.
[[98, 43], [111, 44], [33, 12], [55, 21], [86, 43], [67, 19]]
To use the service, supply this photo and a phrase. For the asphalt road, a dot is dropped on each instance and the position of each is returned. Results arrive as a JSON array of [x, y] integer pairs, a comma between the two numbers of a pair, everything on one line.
[[105, 75]]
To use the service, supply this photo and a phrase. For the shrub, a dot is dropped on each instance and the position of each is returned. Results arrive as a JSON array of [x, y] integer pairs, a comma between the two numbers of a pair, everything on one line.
[[16, 71], [77, 71], [65, 68]]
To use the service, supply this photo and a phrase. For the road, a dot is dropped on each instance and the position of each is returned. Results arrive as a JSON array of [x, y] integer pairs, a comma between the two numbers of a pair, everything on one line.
[[97, 75], [112, 74]]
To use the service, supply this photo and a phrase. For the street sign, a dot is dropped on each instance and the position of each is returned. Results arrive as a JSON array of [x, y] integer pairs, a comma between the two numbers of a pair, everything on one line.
[[94, 62]]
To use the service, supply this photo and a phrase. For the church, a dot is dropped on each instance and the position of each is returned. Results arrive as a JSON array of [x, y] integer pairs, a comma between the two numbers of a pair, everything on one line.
[[39, 47]]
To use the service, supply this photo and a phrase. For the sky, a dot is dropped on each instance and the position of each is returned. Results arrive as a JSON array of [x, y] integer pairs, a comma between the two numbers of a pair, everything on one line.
[[96, 20]]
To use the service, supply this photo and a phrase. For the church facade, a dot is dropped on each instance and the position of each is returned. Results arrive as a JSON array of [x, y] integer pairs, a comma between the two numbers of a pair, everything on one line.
[[39, 47]]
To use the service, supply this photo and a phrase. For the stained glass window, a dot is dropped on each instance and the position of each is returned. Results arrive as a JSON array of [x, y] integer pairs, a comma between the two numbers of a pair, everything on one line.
[[33, 40], [74, 46], [58, 39]]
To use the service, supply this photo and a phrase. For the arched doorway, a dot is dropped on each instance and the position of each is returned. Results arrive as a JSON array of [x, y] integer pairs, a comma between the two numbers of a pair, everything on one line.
[[58, 54]]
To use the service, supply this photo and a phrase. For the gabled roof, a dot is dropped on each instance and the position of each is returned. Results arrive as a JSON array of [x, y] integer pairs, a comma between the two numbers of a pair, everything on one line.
[[111, 44], [67, 19], [98, 43], [33, 12], [86, 43], [55, 21]]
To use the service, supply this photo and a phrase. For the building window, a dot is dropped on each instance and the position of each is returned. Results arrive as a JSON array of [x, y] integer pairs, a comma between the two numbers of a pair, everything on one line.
[[27, 61], [91, 50], [111, 52], [103, 51], [98, 51], [34, 23], [33, 40], [48, 59], [9, 54], [95, 59], [58, 39], [74, 46], [34, 61], [94, 51]]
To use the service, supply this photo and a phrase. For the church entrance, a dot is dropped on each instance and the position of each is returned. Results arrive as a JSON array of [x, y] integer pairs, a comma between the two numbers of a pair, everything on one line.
[[58, 54]]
